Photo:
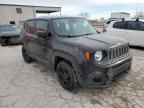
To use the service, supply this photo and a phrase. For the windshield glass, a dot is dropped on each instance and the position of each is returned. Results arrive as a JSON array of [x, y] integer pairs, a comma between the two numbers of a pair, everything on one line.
[[73, 27], [9, 28]]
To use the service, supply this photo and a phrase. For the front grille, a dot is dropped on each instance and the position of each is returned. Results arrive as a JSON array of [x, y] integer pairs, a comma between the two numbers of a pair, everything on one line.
[[118, 52]]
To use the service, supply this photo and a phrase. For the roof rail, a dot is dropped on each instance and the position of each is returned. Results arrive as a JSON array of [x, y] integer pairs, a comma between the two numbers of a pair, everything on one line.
[[123, 19], [138, 18]]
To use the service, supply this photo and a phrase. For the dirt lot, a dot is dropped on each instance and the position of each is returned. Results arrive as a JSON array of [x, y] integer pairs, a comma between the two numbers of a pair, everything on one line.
[[35, 86]]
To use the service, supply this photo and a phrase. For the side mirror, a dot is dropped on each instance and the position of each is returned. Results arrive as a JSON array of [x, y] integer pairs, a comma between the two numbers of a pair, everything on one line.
[[41, 34], [98, 32]]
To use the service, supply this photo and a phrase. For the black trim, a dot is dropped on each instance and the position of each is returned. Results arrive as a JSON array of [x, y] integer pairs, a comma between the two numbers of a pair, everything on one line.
[[29, 5]]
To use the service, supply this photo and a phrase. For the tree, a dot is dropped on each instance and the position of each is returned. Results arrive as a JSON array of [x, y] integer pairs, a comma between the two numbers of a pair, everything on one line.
[[102, 20], [84, 14], [96, 20], [139, 14]]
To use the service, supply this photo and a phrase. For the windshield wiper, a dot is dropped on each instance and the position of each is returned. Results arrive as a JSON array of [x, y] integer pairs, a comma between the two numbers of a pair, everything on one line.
[[89, 33], [73, 36], [69, 36], [86, 34]]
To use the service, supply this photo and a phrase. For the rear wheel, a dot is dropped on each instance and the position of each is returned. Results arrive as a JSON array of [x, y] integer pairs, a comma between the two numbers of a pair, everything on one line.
[[66, 76], [26, 56]]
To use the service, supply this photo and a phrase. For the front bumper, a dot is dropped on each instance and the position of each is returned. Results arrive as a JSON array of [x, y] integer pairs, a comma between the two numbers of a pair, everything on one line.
[[11, 39], [104, 76]]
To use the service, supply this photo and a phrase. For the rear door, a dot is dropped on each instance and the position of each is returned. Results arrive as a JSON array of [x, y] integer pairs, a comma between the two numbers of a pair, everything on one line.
[[30, 36], [135, 32], [34, 44]]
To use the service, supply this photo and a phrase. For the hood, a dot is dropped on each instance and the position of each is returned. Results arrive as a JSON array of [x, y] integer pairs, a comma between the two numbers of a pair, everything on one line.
[[10, 33], [96, 41]]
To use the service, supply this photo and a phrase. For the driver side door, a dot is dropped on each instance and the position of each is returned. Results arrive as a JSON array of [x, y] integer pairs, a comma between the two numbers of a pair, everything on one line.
[[41, 26]]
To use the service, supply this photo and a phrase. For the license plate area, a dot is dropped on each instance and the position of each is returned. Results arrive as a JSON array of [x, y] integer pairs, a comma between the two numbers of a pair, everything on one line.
[[14, 39], [112, 72]]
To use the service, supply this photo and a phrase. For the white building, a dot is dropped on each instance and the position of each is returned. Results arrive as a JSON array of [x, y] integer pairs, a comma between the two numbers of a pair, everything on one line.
[[120, 15], [16, 14]]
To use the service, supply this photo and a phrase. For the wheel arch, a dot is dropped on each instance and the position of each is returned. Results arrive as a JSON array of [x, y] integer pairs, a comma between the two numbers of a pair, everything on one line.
[[68, 58], [58, 59]]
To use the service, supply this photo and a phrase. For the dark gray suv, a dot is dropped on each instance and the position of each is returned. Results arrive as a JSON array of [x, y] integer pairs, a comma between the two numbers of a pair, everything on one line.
[[73, 48]]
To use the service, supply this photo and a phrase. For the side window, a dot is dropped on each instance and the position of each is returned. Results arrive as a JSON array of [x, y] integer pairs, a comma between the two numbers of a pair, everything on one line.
[[134, 25], [131, 25], [142, 26], [19, 10], [119, 25], [116, 25], [108, 22], [30, 28], [41, 25]]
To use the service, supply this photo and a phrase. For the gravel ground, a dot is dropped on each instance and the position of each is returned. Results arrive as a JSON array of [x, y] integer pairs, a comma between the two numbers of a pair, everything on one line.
[[35, 86]]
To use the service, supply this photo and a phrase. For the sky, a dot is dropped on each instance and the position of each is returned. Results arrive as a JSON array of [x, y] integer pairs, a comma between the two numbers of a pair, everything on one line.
[[95, 8]]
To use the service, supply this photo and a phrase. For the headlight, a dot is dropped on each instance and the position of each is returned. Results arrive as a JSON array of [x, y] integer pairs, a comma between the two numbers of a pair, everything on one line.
[[98, 56]]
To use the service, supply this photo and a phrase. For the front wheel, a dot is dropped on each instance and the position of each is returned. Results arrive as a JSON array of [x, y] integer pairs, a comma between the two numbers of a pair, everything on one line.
[[26, 56], [66, 76]]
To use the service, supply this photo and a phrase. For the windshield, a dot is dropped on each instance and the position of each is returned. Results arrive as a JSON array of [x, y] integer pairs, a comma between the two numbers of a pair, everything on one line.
[[73, 27], [9, 28]]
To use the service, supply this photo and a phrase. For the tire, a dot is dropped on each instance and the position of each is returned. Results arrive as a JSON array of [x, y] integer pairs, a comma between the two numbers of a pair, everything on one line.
[[66, 76], [27, 59]]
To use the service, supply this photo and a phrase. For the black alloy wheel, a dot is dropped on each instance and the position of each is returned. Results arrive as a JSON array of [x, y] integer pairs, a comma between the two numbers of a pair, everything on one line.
[[66, 76]]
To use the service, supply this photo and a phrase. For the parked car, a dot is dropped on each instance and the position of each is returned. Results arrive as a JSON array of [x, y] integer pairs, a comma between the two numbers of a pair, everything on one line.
[[9, 34], [107, 22], [73, 48], [132, 30]]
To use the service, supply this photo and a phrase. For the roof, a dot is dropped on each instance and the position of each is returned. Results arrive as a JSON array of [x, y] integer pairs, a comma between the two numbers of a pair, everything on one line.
[[29, 5], [55, 17], [9, 25], [142, 20], [120, 13]]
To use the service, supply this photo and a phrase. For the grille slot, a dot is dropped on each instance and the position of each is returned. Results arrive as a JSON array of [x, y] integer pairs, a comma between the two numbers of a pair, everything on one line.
[[117, 52]]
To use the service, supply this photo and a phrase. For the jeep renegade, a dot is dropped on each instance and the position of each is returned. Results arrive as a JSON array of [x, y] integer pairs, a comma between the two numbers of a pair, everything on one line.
[[76, 51]]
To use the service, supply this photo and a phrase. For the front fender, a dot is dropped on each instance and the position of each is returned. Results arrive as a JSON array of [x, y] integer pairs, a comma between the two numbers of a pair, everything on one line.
[[65, 56], [68, 57]]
